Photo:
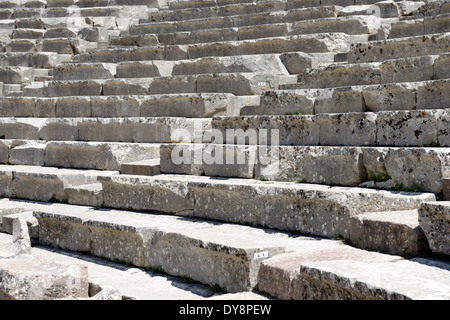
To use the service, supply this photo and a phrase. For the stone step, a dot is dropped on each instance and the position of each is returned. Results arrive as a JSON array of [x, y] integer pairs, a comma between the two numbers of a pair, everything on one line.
[[434, 219], [374, 51], [45, 183], [240, 84], [37, 60], [311, 43], [418, 128], [149, 167], [387, 128], [115, 281], [420, 27], [227, 9], [154, 241], [389, 71], [16, 75], [107, 3], [73, 12], [353, 26], [420, 95], [179, 105], [307, 208], [128, 129], [432, 9], [407, 169], [349, 275], [263, 63], [205, 23], [73, 154]]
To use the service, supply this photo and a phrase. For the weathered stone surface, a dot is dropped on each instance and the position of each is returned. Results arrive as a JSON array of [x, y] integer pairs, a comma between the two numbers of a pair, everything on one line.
[[396, 48], [164, 242], [280, 276], [28, 278], [149, 167], [434, 218], [393, 232], [398, 280], [9, 217], [205, 197], [44, 183]]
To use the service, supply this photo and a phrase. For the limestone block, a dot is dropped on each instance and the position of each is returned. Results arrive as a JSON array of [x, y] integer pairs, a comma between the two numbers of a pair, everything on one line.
[[16, 107], [278, 102], [280, 276], [356, 280], [149, 167], [352, 129], [6, 184], [27, 153], [407, 70], [96, 155], [87, 195], [4, 151], [84, 71], [115, 106], [262, 31], [441, 67], [397, 48], [29, 278], [270, 130], [27, 216], [389, 97], [351, 26], [417, 168], [407, 28], [187, 105], [137, 70], [434, 218], [15, 75], [210, 160], [438, 24], [321, 165], [74, 88], [341, 75], [409, 128], [433, 94], [392, 232], [339, 100], [73, 107]]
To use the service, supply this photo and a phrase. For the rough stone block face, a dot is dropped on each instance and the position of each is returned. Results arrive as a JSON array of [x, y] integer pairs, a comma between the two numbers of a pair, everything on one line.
[[389, 97], [394, 232], [28, 278], [354, 280], [216, 199], [163, 242], [348, 129], [434, 218], [280, 276], [312, 165], [409, 128], [286, 102], [339, 100]]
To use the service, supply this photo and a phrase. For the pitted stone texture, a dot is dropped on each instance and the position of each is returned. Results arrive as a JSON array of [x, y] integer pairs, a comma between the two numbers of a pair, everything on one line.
[[434, 218], [174, 244], [29, 278], [393, 232], [399, 280], [280, 276], [258, 201]]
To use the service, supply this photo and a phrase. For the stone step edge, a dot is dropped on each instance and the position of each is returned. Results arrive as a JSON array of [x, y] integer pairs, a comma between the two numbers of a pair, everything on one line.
[[203, 197], [232, 266]]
